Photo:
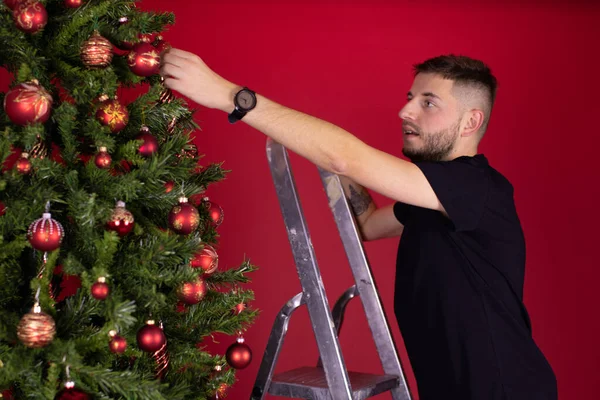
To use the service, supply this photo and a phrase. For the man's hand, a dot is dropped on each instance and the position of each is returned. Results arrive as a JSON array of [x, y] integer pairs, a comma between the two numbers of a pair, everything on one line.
[[189, 75]]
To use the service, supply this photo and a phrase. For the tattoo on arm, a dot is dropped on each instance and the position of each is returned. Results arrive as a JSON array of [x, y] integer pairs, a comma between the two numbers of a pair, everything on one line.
[[359, 200]]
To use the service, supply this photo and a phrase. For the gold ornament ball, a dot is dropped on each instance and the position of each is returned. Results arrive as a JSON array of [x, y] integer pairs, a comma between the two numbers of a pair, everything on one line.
[[36, 329], [96, 52]]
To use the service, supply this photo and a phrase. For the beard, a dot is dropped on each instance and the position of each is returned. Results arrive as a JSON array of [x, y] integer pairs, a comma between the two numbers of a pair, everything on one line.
[[436, 145]]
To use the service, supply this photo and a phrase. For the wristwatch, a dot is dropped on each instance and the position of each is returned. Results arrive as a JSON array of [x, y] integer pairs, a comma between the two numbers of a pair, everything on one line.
[[244, 100]]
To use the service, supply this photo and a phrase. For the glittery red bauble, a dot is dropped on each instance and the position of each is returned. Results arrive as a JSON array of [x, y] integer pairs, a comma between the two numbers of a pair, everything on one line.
[[161, 45], [100, 290], [184, 217], [12, 3], [72, 394], [207, 259], [151, 338], [239, 354], [117, 344], [169, 186], [215, 212], [28, 103], [45, 234], [113, 114], [144, 59], [192, 292], [23, 165], [221, 392], [121, 220], [102, 159], [150, 144], [73, 3], [30, 16], [2, 209]]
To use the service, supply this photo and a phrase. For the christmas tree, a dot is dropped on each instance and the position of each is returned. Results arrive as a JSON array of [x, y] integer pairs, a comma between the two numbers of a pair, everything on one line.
[[110, 199]]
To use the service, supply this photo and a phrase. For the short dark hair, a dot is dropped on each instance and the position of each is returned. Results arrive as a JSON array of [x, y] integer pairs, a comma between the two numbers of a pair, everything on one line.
[[464, 71]]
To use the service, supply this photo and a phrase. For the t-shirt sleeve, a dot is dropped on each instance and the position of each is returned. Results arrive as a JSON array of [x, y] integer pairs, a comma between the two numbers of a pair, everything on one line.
[[462, 187]]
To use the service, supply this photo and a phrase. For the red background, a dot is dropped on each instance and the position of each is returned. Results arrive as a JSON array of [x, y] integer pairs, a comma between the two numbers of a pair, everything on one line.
[[350, 63]]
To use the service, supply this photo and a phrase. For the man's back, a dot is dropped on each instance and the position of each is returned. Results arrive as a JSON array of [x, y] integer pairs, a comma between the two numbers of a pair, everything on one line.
[[459, 289]]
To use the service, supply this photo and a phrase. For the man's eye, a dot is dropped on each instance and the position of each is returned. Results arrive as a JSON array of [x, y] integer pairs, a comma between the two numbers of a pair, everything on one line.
[[428, 104]]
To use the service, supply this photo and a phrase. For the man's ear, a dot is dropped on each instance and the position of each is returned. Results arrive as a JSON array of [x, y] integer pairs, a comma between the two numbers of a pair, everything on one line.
[[472, 121]]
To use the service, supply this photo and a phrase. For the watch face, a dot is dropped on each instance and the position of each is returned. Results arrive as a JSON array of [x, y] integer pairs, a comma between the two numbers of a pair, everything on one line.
[[246, 100]]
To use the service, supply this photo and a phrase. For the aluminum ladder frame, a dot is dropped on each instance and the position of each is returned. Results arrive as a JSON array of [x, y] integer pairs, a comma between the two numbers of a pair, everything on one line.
[[329, 380]]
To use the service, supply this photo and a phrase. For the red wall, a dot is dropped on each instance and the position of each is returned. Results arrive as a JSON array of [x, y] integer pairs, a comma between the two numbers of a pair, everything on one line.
[[350, 63]]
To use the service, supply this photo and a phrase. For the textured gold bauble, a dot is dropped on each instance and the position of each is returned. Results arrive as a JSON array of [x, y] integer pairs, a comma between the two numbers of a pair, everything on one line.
[[36, 328], [96, 52]]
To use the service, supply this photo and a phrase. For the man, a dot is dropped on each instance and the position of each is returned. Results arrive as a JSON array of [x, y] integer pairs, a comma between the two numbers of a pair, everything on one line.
[[461, 258]]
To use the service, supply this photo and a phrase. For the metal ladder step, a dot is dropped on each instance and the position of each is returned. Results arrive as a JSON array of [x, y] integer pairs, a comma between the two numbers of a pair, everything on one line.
[[310, 383]]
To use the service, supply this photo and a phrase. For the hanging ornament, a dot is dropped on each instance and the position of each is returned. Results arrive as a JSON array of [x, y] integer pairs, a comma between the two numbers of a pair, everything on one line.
[[215, 212], [169, 186], [166, 95], [192, 292], [117, 343], [239, 355], [70, 392], [207, 259], [28, 103], [6, 395], [23, 165], [150, 338], [113, 114], [149, 145], [45, 234], [221, 391], [102, 159], [161, 45], [189, 151], [36, 329], [100, 289], [30, 16], [12, 3], [237, 310], [73, 3], [144, 60], [184, 217], [39, 149], [96, 52], [121, 220], [171, 126], [161, 356], [2, 209]]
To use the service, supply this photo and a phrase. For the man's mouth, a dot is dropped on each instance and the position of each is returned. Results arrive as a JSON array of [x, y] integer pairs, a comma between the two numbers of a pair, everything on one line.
[[410, 130]]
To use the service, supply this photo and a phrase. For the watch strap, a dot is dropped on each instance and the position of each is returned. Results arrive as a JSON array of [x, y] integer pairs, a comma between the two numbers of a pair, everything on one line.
[[235, 115]]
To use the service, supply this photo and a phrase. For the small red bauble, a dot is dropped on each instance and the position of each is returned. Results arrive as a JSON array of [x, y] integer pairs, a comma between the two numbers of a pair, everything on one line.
[[144, 59], [28, 103], [184, 217], [239, 354], [151, 338], [45, 234], [100, 289], [70, 393], [121, 220], [30, 16], [161, 45], [23, 165], [102, 159], [73, 3], [12, 3], [117, 343], [2, 209], [221, 392], [113, 114], [239, 308], [149, 145], [169, 186], [207, 259], [192, 292], [215, 212]]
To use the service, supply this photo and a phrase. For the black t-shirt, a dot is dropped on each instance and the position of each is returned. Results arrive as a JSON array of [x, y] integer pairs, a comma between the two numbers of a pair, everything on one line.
[[459, 290]]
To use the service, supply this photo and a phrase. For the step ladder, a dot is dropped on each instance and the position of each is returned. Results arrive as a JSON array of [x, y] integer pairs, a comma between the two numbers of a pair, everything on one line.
[[329, 379]]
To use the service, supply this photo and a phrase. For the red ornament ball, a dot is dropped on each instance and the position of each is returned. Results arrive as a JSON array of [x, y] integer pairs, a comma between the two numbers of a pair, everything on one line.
[[113, 114], [169, 186], [117, 344], [207, 259], [151, 338], [102, 159], [12, 3], [100, 289], [192, 292], [215, 212], [184, 217], [221, 392], [28, 103], [121, 220], [30, 16], [23, 165], [161, 45], [45, 234], [72, 394], [73, 3], [239, 354], [2, 208], [149, 145], [144, 59]]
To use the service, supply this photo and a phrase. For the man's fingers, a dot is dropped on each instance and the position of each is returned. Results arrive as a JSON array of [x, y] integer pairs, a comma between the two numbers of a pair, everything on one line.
[[170, 70], [171, 83], [182, 53]]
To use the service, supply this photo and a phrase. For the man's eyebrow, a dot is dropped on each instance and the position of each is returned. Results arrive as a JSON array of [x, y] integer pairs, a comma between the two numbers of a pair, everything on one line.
[[426, 94]]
